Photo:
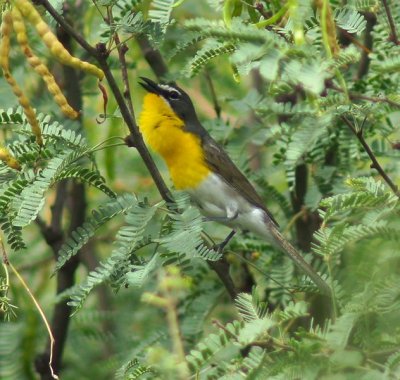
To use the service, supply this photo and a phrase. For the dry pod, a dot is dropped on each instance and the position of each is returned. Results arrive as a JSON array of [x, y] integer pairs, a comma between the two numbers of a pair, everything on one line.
[[8, 159], [56, 47], [6, 29], [39, 66]]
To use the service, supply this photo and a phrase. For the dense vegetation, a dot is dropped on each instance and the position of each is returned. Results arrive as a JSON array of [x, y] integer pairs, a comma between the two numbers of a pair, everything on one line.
[[304, 95]]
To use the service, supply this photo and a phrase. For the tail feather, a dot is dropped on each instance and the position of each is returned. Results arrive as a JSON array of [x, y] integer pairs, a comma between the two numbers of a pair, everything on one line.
[[293, 253]]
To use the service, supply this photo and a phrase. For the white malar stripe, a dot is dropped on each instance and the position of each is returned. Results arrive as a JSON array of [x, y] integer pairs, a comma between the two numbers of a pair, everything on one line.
[[216, 199]]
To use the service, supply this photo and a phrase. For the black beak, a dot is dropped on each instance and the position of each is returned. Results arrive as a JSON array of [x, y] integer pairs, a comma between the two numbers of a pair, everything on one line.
[[150, 86]]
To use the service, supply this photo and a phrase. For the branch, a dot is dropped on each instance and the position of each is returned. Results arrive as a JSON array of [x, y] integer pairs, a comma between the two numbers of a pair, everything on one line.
[[160, 69], [54, 234], [393, 32], [122, 49], [368, 42], [135, 138], [259, 6], [355, 96], [214, 97], [68, 28], [375, 164], [221, 268], [153, 57]]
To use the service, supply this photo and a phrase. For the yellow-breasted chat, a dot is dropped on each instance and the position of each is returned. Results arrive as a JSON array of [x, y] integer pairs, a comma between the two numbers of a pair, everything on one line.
[[200, 166]]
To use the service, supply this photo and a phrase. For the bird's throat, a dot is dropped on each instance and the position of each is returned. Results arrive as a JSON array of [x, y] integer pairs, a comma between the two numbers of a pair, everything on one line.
[[182, 151]]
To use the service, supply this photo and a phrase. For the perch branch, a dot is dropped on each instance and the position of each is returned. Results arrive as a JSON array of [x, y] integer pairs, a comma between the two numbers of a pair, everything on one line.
[[135, 138]]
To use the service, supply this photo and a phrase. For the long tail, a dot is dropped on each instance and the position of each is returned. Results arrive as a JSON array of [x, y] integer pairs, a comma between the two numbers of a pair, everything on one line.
[[300, 262]]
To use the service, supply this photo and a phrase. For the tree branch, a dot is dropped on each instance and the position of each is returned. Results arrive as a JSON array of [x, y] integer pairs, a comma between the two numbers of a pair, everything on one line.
[[375, 164], [221, 268], [122, 49], [160, 69], [214, 97], [392, 25], [368, 42], [153, 57], [68, 28], [135, 138], [54, 234], [355, 96]]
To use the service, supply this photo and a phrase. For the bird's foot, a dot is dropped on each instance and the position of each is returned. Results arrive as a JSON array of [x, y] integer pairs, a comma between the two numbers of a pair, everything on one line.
[[221, 246]]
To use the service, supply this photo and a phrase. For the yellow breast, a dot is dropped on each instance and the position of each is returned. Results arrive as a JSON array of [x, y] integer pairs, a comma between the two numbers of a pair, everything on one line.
[[163, 131]]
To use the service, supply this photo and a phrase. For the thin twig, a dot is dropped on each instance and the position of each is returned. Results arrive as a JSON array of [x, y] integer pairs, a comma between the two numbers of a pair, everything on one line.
[[354, 40], [68, 28], [272, 343], [214, 97], [293, 220], [392, 25], [273, 19], [375, 164], [122, 49], [217, 323], [373, 99], [54, 233], [42, 315], [258, 6], [289, 291]]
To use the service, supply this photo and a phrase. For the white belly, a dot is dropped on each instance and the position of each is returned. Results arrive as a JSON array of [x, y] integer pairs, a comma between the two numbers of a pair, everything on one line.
[[217, 200]]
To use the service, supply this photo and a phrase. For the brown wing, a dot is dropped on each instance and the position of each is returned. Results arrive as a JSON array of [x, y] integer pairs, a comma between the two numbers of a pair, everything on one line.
[[221, 164]]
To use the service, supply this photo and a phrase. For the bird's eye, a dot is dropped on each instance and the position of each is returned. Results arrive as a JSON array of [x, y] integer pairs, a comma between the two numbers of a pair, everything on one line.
[[174, 95]]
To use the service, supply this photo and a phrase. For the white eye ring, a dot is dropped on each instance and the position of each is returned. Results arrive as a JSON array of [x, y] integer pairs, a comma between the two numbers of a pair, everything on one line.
[[174, 95]]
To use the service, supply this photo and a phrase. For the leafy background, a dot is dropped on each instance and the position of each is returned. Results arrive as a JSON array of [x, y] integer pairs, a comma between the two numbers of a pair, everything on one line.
[[292, 89]]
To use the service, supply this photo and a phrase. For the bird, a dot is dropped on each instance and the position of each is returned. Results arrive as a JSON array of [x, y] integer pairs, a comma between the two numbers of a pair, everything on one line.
[[200, 166]]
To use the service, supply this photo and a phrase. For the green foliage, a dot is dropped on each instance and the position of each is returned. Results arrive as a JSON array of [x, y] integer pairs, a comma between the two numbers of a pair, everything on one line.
[[283, 92], [22, 195], [206, 54], [350, 20], [11, 363], [161, 12], [100, 216]]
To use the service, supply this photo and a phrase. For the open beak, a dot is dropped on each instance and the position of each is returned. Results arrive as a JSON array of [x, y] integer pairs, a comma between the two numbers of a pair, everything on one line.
[[150, 86]]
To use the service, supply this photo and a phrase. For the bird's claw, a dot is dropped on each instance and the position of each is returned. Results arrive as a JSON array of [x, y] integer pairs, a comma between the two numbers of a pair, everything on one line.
[[221, 246]]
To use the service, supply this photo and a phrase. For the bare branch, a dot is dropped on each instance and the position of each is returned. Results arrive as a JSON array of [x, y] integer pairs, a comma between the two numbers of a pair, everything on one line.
[[375, 164], [355, 96], [393, 32]]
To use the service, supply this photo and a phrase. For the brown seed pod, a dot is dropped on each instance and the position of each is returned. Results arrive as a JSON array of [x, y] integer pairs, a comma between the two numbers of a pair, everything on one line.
[[39, 66], [8, 159], [56, 48], [6, 29]]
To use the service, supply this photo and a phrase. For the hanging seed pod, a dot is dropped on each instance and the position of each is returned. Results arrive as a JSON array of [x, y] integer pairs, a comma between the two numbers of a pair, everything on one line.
[[8, 159], [56, 47], [39, 66], [6, 29]]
